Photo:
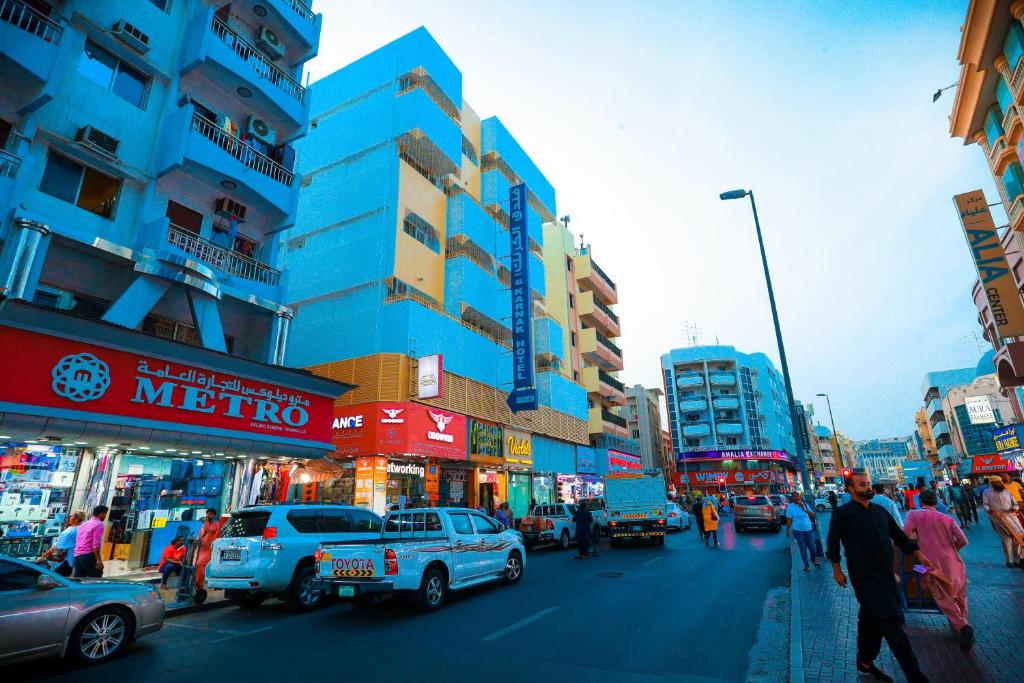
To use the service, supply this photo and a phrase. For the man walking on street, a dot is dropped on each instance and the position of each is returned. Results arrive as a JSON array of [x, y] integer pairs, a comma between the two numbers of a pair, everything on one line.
[[947, 579], [89, 545], [971, 494], [958, 499], [867, 533], [697, 510], [1000, 506]]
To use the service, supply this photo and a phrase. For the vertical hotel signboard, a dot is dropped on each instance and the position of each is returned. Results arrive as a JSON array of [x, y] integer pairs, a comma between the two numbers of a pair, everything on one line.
[[524, 394], [1000, 288]]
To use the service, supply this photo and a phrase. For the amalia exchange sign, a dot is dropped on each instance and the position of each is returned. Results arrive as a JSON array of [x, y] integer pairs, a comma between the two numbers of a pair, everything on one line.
[[51, 376]]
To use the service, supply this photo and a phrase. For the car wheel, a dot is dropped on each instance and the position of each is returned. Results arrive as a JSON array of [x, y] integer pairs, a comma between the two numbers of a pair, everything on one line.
[[304, 593], [819, 508], [563, 540], [595, 533], [529, 546], [246, 599], [659, 540], [616, 542], [432, 591], [100, 636], [513, 568]]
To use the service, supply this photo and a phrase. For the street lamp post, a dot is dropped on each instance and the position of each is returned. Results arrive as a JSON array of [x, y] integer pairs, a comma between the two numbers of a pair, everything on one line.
[[835, 434], [805, 478]]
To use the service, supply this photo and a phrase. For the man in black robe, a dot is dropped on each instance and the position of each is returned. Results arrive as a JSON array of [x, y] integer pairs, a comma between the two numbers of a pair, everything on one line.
[[867, 533]]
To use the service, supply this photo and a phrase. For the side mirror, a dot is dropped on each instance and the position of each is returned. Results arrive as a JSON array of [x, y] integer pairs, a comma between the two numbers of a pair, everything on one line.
[[45, 583], [502, 527]]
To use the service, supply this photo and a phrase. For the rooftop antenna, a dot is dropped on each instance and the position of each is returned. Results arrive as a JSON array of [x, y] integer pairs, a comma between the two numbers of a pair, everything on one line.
[[977, 342], [693, 332], [582, 247], [565, 221]]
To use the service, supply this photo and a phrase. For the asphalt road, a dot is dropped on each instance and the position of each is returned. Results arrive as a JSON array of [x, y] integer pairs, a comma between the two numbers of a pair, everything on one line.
[[681, 612]]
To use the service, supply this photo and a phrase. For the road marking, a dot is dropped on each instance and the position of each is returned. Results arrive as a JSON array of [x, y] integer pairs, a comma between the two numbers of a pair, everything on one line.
[[202, 628], [238, 635], [519, 624], [653, 560]]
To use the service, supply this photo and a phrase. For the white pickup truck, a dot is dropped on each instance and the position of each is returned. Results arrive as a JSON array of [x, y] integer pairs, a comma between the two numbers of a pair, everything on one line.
[[422, 553]]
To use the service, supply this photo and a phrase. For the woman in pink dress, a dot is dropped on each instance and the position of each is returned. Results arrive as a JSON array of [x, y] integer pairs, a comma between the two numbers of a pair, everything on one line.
[[941, 539]]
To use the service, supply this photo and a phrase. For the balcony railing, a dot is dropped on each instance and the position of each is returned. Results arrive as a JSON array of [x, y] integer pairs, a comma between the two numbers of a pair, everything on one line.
[[258, 60], [997, 149], [609, 416], [604, 307], [608, 344], [597, 269], [242, 151], [227, 260], [610, 381], [17, 13], [1009, 118], [9, 165], [301, 9], [1018, 77]]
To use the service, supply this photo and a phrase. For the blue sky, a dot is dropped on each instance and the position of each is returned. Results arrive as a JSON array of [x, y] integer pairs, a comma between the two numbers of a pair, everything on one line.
[[640, 113]]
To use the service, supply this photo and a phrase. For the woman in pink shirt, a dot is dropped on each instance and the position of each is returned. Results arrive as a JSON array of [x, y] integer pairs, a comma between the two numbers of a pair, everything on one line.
[[941, 539]]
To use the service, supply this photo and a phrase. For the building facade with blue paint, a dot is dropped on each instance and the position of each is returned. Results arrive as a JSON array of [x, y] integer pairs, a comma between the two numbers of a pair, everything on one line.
[[146, 181], [934, 388], [401, 250], [884, 458]]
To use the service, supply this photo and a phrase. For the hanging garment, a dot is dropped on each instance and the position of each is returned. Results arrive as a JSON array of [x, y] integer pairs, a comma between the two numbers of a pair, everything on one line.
[[257, 486], [282, 493]]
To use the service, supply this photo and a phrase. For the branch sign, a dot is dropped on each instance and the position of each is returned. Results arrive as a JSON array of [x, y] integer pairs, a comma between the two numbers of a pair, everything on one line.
[[524, 395]]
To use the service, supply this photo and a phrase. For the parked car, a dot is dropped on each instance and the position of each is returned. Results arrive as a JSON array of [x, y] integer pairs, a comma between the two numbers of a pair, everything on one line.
[[267, 550], [550, 524], [821, 503], [43, 613], [780, 502], [423, 554], [755, 511], [676, 518]]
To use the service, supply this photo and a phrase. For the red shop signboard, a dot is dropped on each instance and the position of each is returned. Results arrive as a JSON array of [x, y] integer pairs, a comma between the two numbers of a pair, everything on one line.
[[52, 376], [992, 464], [399, 429], [732, 477]]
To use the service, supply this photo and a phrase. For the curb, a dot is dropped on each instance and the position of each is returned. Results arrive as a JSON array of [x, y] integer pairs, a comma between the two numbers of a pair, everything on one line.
[[796, 641], [173, 612]]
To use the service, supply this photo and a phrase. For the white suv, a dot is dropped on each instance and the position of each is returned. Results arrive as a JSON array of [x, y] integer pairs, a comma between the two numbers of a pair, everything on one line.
[[267, 550]]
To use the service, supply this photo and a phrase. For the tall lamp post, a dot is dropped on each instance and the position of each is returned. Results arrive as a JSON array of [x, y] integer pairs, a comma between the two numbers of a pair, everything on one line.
[[835, 434], [805, 478]]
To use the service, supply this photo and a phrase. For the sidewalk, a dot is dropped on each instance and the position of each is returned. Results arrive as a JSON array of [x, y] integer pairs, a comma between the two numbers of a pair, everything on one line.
[[214, 599], [826, 636]]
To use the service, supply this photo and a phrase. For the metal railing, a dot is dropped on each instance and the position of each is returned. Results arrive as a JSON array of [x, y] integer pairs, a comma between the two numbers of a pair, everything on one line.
[[609, 416], [609, 380], [608, 343], [258, 60], [302, 10], [1017, 77], [220, 257], [17, 13], [1008, 119], [242, 151], [9, 165], [604, 307], [597, 269]]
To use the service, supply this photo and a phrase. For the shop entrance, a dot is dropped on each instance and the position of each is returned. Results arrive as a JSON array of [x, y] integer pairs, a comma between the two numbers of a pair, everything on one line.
[[487, 497]]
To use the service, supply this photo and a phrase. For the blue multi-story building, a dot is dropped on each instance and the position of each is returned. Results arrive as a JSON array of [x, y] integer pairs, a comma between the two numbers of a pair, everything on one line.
[[934, 388], [884, 458], [401, 250], [721, 400], [146, 180]]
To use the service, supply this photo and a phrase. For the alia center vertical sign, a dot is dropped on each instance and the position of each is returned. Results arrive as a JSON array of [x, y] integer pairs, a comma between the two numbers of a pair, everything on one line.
[[524, 393]]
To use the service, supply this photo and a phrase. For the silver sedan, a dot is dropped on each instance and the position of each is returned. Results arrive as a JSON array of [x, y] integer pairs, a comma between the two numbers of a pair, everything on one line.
[[91, 620]]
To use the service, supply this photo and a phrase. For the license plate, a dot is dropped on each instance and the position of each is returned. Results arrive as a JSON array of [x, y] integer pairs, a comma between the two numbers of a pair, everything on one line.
[[231, 554], [637, 527], [346, 591]]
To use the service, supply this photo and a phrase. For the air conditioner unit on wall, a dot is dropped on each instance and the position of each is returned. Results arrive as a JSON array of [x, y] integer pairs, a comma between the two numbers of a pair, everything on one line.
[[97, 140], [261, 130], [229, 208], [270, 43], [131, 36]]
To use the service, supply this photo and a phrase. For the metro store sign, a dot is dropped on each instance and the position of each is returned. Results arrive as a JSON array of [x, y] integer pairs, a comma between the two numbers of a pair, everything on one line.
[[65, 378]]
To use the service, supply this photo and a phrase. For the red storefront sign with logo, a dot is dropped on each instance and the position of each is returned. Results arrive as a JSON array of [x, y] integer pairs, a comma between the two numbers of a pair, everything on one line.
[[399, 428], [57, 377], [619, 461], [732, 477], [992, 464]]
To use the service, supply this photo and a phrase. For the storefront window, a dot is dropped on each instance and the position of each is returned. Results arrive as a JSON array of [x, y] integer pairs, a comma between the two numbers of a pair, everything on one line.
[[544, 488], [406, 485], [35, 491], [573, 488], [519, 493], [453, 490]]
